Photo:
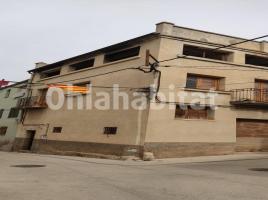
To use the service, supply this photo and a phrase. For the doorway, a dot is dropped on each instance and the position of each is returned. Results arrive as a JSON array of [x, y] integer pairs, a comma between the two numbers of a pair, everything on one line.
[[29, 140], [251, 135]]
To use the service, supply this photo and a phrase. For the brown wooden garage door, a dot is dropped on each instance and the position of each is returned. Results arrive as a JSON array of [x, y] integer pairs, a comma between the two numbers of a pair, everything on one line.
[[251, 128], [252, 135]]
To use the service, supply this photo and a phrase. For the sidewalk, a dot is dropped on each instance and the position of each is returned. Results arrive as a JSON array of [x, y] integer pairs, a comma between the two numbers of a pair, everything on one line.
[[201, 159], [168, 161]]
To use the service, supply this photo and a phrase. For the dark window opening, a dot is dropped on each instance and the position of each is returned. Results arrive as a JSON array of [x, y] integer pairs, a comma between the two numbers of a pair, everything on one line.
[[7, 93], [81, 88], [123, 54], [194, 112], [3, 130], [1, 112], [57, 129], [50, 74], [202, 52], [13, 113], [203, 82], [256, 60], [83, 65], [110, 130], [83, 84]]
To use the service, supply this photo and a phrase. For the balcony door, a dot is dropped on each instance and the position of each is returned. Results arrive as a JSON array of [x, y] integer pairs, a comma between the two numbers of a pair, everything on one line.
[[261, 91], [42, 96]]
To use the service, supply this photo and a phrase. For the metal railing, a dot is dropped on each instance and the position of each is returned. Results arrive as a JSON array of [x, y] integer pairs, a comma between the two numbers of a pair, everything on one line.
[[250, 95], [32, 102]]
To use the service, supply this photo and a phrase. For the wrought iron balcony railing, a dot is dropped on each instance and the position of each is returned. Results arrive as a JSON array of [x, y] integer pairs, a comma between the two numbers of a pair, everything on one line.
[[32, 102], [249, 96]]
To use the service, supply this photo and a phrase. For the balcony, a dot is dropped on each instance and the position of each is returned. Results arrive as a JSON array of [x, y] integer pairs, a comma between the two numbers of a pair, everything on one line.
[[33, 102], [249, 97]]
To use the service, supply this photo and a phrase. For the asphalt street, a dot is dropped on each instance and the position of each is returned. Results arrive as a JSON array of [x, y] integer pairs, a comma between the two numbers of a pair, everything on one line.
[[46, 177]]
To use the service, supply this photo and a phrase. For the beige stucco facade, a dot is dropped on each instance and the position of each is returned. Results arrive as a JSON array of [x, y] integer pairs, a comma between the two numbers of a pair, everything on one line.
[[154, 130]]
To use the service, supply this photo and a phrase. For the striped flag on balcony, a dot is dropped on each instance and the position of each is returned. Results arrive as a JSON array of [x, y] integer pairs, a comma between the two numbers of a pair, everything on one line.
[[70, 88]]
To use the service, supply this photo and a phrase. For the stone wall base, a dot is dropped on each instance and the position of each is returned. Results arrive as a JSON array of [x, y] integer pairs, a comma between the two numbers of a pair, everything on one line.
[[6, 145], [252, 144], [187, 149], [78, 148], [159, 149]]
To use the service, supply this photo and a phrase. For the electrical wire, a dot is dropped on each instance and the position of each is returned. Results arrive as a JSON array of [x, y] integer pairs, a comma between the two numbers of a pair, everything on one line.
[[132, 87], [106, 73], [210, 67], [244, 41], [157, 62], [215, 49], [158, 100]]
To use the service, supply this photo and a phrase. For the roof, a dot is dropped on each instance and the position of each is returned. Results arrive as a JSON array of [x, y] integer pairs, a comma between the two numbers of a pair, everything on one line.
[[15, 84], [208, 32], [114, 47], [219, 34]]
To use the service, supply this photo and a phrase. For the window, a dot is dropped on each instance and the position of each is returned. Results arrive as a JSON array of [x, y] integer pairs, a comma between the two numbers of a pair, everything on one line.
[[202, 52], [80, 88], [83, 84], [50, 73], [123, 54], [1, 112], [3, 130], [110, 130], [57, 129], [194, 112], [256, 60], [7, 93], [261, 90], [203, 82], [83, 65], [13, 113]]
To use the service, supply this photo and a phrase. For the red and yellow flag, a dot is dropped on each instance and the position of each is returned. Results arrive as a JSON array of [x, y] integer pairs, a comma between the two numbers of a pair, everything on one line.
[[70, 88]]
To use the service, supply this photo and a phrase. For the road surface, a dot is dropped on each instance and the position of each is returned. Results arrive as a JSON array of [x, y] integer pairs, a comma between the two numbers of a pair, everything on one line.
[[46, 177]]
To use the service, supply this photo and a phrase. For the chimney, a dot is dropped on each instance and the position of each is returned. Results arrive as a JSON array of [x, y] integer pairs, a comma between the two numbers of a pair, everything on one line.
[[165, 28], [40, 64]]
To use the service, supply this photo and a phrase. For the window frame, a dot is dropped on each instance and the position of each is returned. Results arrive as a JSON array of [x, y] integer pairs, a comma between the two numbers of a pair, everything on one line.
[[83, 84], [57, 129], [263, 59], [2, 113], [108, 59], [12, 111], [75, 66], [261, 90], [189, 113], [205, 53], [43, 75], [4, 129], [110, 130], [201, 78]]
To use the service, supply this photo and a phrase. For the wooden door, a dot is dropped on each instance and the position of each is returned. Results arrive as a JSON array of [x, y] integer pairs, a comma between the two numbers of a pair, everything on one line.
[[261, 91]]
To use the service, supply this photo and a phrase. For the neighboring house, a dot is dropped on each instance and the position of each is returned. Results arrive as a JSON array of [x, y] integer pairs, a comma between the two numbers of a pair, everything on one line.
[[9, 113], [195, 62]]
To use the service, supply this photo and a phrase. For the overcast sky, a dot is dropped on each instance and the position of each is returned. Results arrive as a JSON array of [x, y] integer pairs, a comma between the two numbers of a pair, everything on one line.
[[49, 31]]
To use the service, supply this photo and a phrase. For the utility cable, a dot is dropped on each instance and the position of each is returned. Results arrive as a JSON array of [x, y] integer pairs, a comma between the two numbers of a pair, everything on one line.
[[217, 48]]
